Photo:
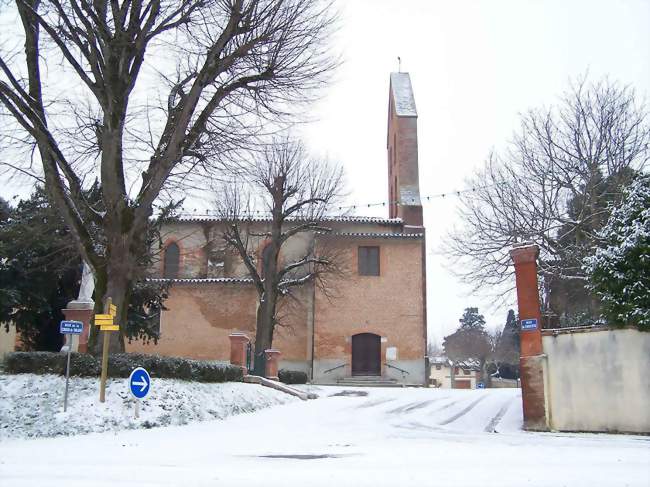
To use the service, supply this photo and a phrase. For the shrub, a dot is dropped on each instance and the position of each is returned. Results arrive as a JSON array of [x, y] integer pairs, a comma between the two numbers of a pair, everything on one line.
[[121, 365], [292, 376]]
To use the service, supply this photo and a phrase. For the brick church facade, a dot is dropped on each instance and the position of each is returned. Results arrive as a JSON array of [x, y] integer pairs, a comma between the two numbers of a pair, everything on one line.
[[372, 322]]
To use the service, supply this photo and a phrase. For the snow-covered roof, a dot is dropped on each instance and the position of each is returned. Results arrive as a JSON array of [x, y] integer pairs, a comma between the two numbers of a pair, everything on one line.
[[372, 235], [333, 219], [469, 364], [400, 85]]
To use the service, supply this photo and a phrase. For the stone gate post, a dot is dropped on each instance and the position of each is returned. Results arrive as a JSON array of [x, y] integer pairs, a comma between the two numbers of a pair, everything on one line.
[[238, 343], [272, 363], [531, 359]]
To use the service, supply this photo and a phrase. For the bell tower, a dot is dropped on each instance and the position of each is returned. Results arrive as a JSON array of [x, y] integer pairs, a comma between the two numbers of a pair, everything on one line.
[[402, 146]]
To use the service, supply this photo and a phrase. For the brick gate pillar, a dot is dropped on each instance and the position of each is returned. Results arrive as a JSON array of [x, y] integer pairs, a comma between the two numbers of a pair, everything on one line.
[[238, 343], [272, 363], [531, 359]]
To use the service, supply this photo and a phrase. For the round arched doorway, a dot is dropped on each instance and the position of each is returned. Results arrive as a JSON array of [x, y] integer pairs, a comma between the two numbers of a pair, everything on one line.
[[366, 354]]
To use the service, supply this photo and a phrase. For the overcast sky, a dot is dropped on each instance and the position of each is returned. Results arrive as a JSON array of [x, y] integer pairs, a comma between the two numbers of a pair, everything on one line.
[[475, 65]]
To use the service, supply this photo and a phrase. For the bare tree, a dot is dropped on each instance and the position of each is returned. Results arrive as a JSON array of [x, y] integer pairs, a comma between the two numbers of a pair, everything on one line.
[[552, 186], [297, 192], [148, 95]]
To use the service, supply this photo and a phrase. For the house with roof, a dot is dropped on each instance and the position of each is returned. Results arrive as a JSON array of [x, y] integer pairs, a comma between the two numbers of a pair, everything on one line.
[[374, 323], [449, 374]]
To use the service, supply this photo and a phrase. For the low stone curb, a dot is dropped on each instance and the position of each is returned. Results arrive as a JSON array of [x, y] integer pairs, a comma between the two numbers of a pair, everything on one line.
[[255, 379]]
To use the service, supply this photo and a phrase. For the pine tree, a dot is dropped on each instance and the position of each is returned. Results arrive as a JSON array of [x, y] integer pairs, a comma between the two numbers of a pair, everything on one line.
[[619, 270]]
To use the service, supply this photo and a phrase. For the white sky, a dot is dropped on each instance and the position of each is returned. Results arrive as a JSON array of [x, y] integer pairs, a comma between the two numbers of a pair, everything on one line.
[[474, 66]]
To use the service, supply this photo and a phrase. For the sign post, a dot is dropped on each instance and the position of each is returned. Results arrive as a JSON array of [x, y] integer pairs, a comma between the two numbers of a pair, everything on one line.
[[69, 328], [106, 324], [139, 385]]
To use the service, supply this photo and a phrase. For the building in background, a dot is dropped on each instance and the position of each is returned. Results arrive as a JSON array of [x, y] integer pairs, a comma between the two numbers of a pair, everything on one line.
[[372, 323], [447, 374]]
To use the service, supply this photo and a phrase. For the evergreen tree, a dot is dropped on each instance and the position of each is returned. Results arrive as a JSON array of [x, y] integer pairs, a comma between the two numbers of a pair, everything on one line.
[[470, 340], [619, 270], [507, 349], [40, 270]]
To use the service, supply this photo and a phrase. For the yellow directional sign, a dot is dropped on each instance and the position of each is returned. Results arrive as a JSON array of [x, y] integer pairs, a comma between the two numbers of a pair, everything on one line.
[[104, 322], [113, 310], [103, 317], [110, 328]]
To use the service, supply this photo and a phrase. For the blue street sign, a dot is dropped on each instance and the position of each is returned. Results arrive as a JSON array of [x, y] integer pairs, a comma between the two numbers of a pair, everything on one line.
[[480, 385], [71, 327], [139, 382], [529, 324]]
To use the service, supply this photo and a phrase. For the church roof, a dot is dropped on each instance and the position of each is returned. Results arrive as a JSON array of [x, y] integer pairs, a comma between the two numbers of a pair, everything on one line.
[[400, 85]]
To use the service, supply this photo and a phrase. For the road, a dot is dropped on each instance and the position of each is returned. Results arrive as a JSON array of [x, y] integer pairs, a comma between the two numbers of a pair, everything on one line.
[[357, 437]]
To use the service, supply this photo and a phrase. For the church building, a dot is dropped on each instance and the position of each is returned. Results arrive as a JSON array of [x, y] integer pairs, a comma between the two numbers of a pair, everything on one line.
[[374, 324]]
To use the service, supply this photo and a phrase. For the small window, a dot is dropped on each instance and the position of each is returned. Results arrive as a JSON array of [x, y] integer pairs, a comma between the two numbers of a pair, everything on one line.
[[456, 370], [172, 255], [438, 367], [368, 261], [465, 371]]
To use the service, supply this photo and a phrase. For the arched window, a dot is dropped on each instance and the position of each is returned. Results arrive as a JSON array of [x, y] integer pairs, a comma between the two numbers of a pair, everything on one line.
[[172, 255]]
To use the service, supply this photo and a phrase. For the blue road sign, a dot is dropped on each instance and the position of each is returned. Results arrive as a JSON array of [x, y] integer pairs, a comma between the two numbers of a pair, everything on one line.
[[529, 324], [71, 327], [480, 385], [139, 382]]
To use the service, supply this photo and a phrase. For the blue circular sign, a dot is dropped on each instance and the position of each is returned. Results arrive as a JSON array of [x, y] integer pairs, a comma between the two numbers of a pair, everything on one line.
[[480, 385], [139, 382]]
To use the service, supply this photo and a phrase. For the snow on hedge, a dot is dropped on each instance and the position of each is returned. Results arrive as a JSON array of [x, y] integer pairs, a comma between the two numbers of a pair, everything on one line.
[[619, 271], [32, 405]]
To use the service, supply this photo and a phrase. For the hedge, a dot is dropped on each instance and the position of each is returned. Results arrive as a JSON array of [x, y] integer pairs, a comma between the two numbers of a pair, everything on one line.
[[120, 365], [292, 376]]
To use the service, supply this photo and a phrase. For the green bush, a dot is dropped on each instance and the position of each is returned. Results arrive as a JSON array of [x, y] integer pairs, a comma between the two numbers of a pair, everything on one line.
[[121, 365], [292, 376]]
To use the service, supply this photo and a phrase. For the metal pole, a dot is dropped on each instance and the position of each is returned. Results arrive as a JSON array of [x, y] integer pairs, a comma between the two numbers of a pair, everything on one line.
[[102, 381], [137, 407], [67, 374]]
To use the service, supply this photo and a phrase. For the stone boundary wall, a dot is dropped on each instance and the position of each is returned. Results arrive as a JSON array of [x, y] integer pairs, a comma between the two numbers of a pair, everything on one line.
[[597, 379]]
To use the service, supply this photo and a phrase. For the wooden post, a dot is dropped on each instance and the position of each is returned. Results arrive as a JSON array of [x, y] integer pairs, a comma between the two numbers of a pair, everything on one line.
[[106, 338]]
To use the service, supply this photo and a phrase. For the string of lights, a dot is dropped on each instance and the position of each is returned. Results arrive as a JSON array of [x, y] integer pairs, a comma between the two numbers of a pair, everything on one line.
[[260, 213]]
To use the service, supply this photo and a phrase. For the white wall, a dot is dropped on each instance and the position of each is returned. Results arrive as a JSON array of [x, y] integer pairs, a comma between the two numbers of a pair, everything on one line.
[[598, 380], [7, 340]]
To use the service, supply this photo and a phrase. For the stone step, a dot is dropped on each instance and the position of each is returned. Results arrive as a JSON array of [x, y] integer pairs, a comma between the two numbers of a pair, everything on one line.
[[366, 378]]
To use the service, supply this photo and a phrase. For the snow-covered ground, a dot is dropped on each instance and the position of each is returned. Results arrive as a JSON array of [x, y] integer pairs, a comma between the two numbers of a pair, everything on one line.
[[348, 437], [32, 405]]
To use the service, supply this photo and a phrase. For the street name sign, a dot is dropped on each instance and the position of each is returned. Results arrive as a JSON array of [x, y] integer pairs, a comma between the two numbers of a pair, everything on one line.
[[71, 327], [529, 324]]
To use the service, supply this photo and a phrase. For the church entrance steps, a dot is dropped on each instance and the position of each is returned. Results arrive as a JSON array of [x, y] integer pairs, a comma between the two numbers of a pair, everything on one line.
[[368, 381]]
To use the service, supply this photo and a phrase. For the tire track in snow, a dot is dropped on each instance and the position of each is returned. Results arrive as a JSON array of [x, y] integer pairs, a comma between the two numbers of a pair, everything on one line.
[[491, 426], [414, 405], [463, 412], [376, 402]]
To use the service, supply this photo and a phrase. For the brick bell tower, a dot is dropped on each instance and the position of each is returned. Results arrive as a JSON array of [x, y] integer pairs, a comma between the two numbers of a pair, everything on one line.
[[402, 145]]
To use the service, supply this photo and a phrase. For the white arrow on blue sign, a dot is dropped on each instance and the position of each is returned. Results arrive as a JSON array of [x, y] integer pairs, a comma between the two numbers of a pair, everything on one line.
[[139, 382], [71, 327]]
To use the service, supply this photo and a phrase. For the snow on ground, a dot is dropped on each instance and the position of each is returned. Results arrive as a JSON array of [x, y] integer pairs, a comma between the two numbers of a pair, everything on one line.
[[347, 437], [32, 405]]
